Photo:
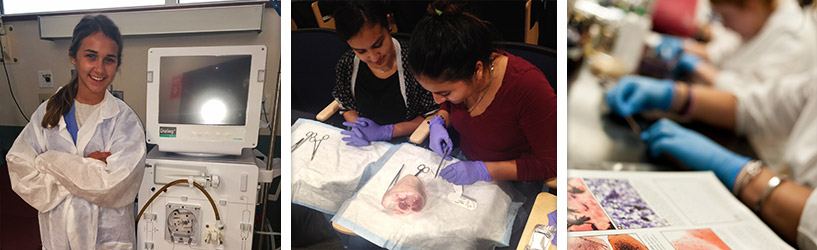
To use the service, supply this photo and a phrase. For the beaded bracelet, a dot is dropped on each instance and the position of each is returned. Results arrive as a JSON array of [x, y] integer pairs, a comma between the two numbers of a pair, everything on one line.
[[746, 174]]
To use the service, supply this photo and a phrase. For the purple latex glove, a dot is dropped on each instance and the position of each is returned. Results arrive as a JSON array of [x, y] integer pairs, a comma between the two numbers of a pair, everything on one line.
[[466, 172], [354, 138], [552, 222], [439, 141], [371, 131]]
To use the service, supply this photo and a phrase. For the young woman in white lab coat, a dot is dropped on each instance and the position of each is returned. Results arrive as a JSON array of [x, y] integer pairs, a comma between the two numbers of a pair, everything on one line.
[[80, 160], [785, 109], [778, 39]]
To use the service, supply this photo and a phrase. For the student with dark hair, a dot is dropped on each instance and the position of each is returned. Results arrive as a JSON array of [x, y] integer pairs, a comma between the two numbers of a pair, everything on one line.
[[379, 97], [501, 105], [80, 160]]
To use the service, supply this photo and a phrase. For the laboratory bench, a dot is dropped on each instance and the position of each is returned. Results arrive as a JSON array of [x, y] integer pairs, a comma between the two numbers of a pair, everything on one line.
[[598, 139]]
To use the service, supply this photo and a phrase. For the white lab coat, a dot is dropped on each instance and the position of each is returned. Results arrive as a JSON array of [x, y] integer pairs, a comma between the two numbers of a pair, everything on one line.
[[788, 109], [785, 45], [83, 203]]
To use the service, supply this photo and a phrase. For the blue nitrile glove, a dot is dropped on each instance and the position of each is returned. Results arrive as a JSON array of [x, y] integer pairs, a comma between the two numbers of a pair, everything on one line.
[[686, 63], [354, 138], [437, 135], [669, 47], [466, 172], [552, 222], [370, 130], [634, 94], [694, 150]]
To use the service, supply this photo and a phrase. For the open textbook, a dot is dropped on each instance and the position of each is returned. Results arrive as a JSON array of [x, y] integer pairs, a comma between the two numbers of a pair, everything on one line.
[[660, 211]]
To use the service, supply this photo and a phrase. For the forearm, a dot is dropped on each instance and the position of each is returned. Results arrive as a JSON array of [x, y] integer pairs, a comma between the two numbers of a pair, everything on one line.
[[502, 170], [695, 48], [350, 115], [708, 105], [782, 207], [407, 127], [707, 72]]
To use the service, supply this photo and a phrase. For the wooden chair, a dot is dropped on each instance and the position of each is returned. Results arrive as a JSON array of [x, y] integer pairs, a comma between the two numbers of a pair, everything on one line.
[[531, 32], [324, 21]]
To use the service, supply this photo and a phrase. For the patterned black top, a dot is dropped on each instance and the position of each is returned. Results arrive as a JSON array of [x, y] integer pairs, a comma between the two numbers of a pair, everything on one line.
[[419, 101]]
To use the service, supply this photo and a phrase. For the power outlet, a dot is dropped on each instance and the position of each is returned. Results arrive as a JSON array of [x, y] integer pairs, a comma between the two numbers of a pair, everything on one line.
[[45, 78]]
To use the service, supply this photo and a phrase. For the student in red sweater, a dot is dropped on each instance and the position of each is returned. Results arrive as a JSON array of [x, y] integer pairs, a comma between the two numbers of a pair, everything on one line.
[[501, 105]]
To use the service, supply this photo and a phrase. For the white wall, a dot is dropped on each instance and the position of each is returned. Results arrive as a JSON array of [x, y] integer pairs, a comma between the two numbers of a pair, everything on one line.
[[35, 54]]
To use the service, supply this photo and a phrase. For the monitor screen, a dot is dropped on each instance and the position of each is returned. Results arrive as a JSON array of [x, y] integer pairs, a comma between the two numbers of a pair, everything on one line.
[[205, 90]]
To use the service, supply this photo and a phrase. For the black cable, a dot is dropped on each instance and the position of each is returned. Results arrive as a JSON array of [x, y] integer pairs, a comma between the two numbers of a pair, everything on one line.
[[2, 54]]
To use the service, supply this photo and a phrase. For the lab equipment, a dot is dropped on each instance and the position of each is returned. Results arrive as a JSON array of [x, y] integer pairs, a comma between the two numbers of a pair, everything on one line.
[[219, 213], [694, 150], [337, 171], [421, 169], [466, 172], [364, 214], [397, 176], [205, 99], [634, 94], [300, 142], [316, 143], [442, 159], [439, 141], [203, 103], [85, 197]]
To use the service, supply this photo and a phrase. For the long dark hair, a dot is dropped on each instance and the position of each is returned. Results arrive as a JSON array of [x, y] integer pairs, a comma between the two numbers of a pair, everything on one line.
[[61, 102], [351, 16], [448, 42]]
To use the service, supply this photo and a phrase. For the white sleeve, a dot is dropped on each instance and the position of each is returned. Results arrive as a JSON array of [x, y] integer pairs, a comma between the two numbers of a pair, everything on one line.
[[774, 107], [788, 57], [113, 185], [807, 228], [724, 42], [39, 189]]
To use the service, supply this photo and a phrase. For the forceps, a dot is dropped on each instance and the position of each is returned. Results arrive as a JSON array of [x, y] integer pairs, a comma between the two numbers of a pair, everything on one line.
[[393, 181], [316, 142], [445, 153], [300, 142]]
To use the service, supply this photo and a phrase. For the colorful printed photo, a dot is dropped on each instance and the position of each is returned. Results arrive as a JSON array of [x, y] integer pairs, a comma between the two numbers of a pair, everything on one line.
[[623, 204], [700, 239], [583, 213]]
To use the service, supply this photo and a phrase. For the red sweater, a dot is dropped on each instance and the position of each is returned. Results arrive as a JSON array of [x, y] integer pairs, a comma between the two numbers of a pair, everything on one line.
[[519, 124]]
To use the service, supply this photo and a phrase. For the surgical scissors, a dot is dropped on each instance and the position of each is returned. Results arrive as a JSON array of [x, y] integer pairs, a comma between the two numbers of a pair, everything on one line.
[[300, 142], [422, 169], [316, 142]]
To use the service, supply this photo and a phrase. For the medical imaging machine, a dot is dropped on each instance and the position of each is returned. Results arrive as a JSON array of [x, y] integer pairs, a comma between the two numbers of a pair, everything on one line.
[[201, 182]]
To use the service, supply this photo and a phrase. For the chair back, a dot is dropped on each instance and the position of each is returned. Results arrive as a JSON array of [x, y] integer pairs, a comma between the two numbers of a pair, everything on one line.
[[315, 52], [541, 57]]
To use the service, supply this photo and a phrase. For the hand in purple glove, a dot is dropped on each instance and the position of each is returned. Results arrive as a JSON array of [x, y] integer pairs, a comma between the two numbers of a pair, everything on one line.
[[552, 222], [466, 172], [354, 138], [369, 130], [439, 142]]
